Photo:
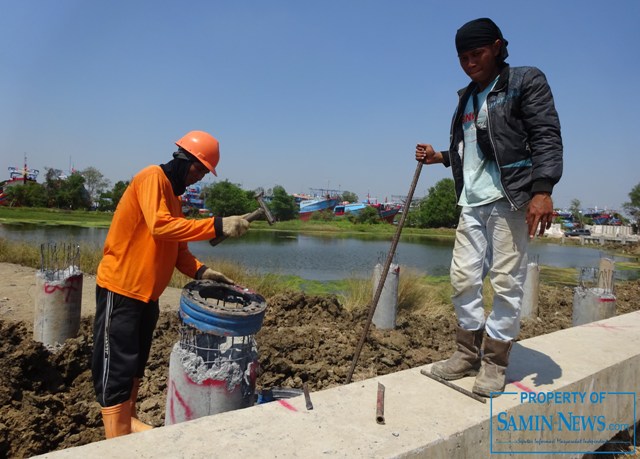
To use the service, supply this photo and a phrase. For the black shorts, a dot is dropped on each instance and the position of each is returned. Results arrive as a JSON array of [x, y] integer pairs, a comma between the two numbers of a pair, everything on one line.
[[122, 334]]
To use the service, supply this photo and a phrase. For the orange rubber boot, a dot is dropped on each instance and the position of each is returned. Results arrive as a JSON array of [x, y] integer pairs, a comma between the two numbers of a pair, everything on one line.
[[117, 420], [136, 424]]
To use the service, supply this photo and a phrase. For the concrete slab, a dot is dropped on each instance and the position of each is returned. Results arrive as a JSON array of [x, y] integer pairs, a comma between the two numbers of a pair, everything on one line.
[[425, 418]]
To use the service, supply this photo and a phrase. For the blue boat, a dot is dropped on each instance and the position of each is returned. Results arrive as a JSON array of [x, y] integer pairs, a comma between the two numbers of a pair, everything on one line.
[[386, 211], [350, 208], [310, 206], [320, 200], [191, 197]]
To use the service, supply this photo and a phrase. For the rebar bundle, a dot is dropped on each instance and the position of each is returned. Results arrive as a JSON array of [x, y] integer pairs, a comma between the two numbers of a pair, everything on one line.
[[596, 278], [59, 261], [209, 356]]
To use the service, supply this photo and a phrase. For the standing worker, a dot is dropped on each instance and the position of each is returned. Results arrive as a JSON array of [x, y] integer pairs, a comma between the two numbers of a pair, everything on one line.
[[146, 241], [505, 154]]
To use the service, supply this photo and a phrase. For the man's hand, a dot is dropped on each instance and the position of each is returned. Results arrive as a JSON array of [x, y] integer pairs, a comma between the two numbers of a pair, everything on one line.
[[234, 226], [539, 214], [427, 155], [216, 276]]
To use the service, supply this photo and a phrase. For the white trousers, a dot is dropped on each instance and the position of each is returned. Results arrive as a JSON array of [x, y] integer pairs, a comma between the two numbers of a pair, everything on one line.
[[490, 239]]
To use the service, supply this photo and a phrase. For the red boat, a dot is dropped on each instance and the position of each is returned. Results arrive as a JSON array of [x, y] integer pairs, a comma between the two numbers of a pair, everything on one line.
[[387, 210]]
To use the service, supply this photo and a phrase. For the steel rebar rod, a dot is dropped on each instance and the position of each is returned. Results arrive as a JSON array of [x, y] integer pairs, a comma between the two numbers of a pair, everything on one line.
[[307, 397], [462, 390], [380, 405], [385, 271]]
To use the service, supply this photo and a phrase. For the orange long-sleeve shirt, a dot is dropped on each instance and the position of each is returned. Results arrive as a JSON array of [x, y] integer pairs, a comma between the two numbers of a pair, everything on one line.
[[148, 239]]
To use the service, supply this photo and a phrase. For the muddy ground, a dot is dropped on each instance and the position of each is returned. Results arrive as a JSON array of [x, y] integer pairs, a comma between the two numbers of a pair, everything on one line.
[[47, 401]]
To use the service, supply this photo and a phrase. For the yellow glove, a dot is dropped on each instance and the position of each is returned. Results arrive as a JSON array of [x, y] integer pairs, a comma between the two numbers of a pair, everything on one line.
[[216, 276], [234, 226]]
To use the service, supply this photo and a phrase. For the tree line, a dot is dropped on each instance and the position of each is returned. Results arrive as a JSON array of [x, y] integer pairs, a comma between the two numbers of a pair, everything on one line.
[[86, 189], [89, 189]]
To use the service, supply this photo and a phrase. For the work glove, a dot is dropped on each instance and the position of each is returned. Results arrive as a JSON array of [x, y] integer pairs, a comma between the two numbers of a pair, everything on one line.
[[216, 276], [234, 226]]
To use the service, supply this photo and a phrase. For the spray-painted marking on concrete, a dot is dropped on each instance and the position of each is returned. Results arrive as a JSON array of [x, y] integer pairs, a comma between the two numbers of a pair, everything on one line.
[[172, 413], [287, 405], [521, 386], [608, 327], [188, 413], [68, 288], [210, 382]]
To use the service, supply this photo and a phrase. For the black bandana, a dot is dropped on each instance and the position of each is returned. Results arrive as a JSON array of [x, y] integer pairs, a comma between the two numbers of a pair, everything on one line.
[[477, 33], [176, 171]]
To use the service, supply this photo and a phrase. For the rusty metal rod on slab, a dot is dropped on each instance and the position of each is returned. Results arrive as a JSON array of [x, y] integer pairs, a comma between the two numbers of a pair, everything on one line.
[[453, 386], [380, 405], [385, 271], [307, 397]]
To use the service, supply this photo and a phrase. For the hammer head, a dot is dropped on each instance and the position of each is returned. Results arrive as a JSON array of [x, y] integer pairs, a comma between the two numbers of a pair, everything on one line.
[[265, 209]]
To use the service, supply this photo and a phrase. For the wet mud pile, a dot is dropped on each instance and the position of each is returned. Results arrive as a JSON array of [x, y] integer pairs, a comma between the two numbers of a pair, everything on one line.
[[47, 400]]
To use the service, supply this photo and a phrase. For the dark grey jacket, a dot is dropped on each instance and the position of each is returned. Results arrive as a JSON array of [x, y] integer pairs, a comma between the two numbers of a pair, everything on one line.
[[524, 131]]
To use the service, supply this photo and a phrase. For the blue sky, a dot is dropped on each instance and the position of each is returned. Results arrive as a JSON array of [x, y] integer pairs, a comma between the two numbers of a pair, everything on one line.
[[305, 94]]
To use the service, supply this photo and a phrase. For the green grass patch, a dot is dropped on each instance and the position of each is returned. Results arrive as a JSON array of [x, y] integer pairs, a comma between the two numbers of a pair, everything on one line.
[[30, 254], [415, 291], [426, 295], [54, 217], [344, 228], [628, 265], [338, 227], [559, 277]]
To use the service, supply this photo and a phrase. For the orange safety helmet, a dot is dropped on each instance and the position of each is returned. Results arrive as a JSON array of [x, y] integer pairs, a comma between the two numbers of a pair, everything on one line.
[[203, 146]]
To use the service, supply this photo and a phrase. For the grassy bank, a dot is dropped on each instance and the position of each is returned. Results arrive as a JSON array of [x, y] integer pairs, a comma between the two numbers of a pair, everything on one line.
[[53, 217], [344, 226], [416, 292]]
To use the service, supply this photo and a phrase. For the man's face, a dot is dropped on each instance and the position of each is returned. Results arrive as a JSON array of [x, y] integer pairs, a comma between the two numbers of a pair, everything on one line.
[[196, 172], [481, 64]]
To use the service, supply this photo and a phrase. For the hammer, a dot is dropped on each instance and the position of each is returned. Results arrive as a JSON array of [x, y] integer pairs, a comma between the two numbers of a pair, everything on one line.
[[263, 210]]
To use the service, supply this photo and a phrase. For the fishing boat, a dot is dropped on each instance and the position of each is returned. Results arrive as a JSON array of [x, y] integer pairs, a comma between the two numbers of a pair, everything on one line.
[[192, 201], [349, 208], [192, 197], [17, 177], [318, 201], [602, 217], [386, 211], [311, 206]]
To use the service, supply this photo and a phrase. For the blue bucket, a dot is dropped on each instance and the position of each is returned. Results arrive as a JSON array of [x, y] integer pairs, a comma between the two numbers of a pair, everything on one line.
[[234, 311]]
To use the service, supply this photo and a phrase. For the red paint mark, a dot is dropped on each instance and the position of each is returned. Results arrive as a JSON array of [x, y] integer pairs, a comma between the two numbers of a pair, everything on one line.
[[287, 405], [254, 369], [71, 285], [210, 383], [187, 410], [521, 386], [172, 413]]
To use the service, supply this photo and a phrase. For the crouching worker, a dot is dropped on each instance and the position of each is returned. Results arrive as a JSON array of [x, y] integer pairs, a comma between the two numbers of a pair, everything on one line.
[[146, 241]]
